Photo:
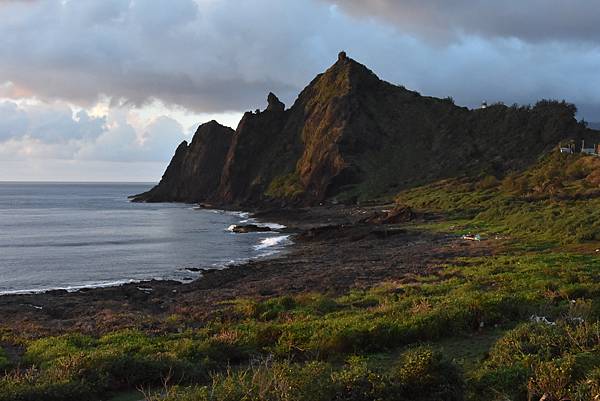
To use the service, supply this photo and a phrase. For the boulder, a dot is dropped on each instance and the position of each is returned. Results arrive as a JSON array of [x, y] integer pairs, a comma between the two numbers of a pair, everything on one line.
[[249, 228]]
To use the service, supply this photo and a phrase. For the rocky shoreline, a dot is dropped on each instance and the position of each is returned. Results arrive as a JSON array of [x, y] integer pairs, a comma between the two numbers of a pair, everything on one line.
[[335, 248]]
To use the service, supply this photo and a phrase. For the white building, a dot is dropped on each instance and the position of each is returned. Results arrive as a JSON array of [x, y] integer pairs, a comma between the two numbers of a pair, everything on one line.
[[587, 151]]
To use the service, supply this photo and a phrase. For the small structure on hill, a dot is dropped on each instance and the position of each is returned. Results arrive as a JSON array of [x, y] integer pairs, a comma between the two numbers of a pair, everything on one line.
[[588, 151], [484, 105], [568, 148]]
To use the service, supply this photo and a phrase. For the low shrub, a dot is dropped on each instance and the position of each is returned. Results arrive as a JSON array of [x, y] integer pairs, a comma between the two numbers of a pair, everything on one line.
[[424, 374]]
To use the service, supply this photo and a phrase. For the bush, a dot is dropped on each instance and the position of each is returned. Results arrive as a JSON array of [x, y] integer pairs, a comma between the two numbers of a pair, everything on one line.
[[356, 382], [424, 374], [488, 182], [541, 359]]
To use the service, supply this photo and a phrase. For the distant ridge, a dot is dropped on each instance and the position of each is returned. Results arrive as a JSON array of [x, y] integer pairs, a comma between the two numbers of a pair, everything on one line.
[[350, 136]]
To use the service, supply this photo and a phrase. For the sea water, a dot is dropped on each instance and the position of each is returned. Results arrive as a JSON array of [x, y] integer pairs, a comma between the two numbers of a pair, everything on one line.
[[78, 235]]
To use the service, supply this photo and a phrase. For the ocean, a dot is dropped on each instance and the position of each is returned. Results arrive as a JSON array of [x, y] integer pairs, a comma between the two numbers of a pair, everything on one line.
[[78, 235]]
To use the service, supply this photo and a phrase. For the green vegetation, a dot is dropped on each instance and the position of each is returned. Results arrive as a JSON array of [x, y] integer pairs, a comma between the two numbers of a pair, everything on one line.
[[4, 362], [284, 348], [419, 374], [555, 203], [285, 187], [521, 322]]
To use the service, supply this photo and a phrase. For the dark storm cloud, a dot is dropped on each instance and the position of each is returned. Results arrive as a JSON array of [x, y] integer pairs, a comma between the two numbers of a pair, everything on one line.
[[206, 55], [531, 20]]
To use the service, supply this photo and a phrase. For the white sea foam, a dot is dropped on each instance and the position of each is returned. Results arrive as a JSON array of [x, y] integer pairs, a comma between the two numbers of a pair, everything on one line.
[[241, 215], [274, 226], [73, 288], [272, 242]]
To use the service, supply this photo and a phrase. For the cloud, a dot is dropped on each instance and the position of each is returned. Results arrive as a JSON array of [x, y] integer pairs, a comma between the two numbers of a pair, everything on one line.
[[209, 56], [216, 56], [56, 131], [129, 140], [442, 20], [52, 123]]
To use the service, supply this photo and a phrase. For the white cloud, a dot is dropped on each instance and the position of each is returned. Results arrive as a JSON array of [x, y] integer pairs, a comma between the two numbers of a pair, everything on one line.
[[57, 130]]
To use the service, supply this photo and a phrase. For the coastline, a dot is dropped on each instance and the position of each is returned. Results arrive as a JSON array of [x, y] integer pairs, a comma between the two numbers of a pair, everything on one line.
[[334, 250]]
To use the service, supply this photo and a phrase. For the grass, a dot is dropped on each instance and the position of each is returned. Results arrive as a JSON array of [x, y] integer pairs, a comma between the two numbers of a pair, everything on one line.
[[4, 361], [521, 323]]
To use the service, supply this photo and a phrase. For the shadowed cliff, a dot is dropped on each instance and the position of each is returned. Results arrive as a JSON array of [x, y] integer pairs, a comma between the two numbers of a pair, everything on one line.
[[195, 170]]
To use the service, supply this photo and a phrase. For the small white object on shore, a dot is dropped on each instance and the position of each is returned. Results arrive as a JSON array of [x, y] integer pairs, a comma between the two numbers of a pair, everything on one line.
[[471, 237]]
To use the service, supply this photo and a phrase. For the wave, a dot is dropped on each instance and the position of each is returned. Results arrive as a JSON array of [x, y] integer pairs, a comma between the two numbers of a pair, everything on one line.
[[272, 242], [72, 288], [274, 226]]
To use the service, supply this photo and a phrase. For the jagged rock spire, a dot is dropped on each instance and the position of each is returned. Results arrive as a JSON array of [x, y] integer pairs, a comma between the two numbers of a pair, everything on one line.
[[274, 104]]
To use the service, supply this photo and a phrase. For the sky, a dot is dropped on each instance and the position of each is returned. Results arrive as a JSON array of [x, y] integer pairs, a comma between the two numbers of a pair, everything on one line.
[[105, 90]]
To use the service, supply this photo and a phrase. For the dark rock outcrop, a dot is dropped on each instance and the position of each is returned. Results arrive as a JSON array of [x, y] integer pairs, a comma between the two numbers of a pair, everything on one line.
[[250, 228], [399, 214], [351, 136]]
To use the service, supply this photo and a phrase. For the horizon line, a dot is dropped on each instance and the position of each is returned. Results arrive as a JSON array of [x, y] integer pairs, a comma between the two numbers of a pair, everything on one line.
[[74, 182]]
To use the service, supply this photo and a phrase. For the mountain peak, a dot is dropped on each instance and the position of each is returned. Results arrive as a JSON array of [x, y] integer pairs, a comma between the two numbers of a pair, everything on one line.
[[350, 70]]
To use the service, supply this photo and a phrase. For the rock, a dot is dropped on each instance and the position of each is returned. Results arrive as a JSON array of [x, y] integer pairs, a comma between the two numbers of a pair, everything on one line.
[[399, 214], [249, 228], [342, 56], [274, 104], [195, 170], [265, 292]]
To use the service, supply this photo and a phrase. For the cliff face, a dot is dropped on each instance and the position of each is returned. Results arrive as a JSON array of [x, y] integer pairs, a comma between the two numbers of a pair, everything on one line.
[[257, 151], [350, 135], [195, 170]]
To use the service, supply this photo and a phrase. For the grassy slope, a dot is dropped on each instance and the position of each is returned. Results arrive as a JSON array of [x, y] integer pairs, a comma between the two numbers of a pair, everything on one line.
[[463, 333]]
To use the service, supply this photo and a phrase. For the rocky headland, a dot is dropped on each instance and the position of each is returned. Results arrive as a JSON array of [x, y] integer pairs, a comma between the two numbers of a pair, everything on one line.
[[352, 137]]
